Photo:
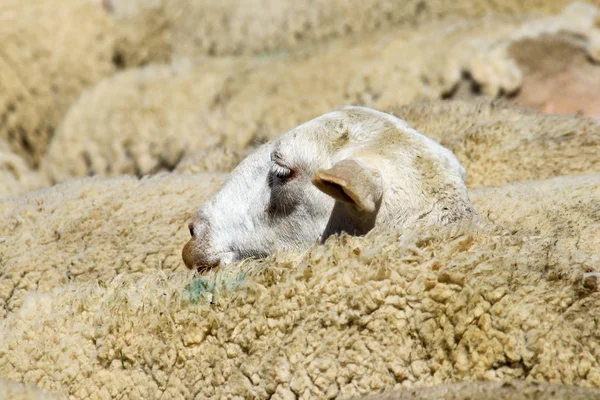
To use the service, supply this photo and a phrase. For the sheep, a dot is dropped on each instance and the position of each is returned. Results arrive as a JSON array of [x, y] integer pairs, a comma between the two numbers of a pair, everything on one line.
[[158, 30], [51, 50], [143, 32], [136, 122], [164, 113], [405, 309], [345, 171], [354, 316], [68, 233], [45, 229]]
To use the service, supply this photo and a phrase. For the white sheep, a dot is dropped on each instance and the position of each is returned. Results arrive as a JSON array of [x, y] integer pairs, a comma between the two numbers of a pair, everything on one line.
[[345, 171]]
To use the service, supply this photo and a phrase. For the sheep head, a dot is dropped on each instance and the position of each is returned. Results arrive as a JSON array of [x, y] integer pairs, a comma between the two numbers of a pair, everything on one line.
[[345, 171]]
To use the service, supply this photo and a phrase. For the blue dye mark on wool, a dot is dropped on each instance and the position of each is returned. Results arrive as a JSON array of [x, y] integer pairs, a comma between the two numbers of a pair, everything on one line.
[[208, 288]]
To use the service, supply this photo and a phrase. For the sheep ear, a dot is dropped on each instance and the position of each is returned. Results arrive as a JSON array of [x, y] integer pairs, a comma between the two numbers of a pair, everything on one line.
[[351, 182]]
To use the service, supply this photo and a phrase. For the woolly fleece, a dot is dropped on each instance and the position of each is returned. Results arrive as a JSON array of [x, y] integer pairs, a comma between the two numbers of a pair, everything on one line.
[[164, 113], [481, 390], [556, 145], [94, 229], [51, 50], [546, 228], [354, 316], [498, 144], [138, 122], [564, 208], [160, 30]]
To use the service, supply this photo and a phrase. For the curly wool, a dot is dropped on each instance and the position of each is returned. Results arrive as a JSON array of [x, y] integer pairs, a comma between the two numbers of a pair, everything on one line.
[[51, 50], [565, 208], [497, 143], [568, 142], [94, 229], [164, 113], [159, 30], [351, 317], [137, 122], [87, 230]]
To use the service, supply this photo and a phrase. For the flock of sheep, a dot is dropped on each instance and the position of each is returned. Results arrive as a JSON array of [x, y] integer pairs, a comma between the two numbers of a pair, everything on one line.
[[468, 268]]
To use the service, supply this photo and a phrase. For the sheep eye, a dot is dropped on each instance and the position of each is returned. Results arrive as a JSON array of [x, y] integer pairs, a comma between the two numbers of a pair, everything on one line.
[[278, 168], [280, 171]]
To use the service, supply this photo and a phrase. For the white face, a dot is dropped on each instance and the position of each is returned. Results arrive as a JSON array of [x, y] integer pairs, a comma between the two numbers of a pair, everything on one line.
[[284, 194], [267, 203]]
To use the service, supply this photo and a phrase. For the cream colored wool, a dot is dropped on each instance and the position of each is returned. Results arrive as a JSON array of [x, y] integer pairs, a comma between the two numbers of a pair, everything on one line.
[[164, 113], [144, 30], [513, 390], [352, 317], [138, 122], [554, 145], [18, 391], [153, 31], [220, 159], [15, 175], [50, 51], [498, 144], [565, 208], [94, 229]]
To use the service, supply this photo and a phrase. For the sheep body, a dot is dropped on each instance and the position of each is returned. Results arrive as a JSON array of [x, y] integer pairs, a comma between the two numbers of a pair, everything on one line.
[[156, 115], [159, 30], [218, 159], [348, 170], [569, 142], [164, 113], [498, 144], [556, 208], [51, 50], [350, 317]]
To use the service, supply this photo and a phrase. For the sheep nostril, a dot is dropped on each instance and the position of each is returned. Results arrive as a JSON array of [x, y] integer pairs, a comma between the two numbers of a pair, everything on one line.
[[191, 227]]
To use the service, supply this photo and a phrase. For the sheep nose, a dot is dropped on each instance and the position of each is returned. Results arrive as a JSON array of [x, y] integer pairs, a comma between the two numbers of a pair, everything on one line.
[[187, 255], [196, 252], [197, 227], [195, 256]]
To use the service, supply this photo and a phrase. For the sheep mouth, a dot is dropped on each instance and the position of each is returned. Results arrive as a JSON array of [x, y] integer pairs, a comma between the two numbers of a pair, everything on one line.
[[205, 266], [194, 258], [203, 270], [216, 260]]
